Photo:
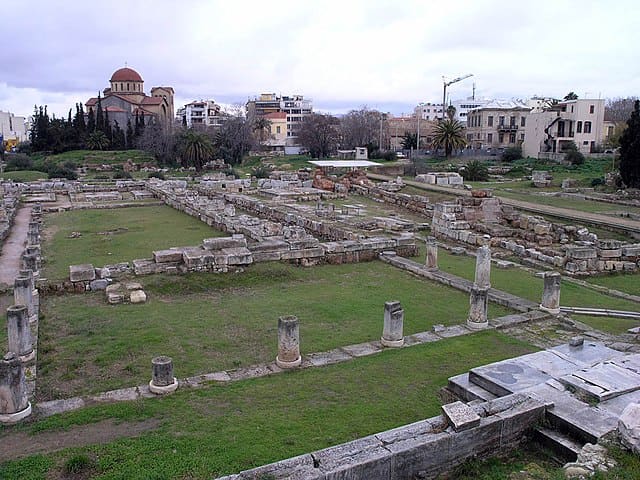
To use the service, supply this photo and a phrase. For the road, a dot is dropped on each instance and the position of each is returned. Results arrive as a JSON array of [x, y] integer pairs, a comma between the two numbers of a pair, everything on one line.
[[622, 224]]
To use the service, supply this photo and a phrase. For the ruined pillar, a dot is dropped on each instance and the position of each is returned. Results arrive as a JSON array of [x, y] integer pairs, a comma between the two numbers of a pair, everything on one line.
[[162, 379], [30, 262], [14, 404], [23, 294], [432, 253], [35, 295], [483, 267], [33, 234], [19, 333], [392, 332], [288, 342], [551, 293], [478, 304]]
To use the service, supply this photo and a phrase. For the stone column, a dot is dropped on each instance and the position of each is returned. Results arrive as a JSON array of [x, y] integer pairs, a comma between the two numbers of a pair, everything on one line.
[[19, 333], [14, 404], [432, 253], [162, 379], [551, 293], [483, 267], [23, 294], [392, 332], [30, 262], [478, 303], [288, 342], [33, 234], [35, 295]]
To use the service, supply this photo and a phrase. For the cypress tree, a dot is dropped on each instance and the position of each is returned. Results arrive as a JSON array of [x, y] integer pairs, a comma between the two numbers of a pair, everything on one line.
[[129, 135], [91, 123], [630, 150], [99, 115]]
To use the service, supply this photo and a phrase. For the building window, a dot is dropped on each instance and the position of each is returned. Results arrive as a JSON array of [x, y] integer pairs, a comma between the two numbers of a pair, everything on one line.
[[490, 121], [592, 108], [579, 127], [586, 142], [121, 86], [501, 137], [512, 138], [277, 128], [512, 121], [501, 121], [522, 137], [571, 108], [523, 121], [587, 127], [489, 137]]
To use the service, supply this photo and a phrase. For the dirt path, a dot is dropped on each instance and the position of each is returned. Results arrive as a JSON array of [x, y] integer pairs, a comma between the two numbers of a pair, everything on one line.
[[11, 257], [21, 444]]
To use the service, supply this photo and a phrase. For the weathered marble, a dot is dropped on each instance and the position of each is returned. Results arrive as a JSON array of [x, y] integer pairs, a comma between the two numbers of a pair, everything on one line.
[[478, 305], [19, 333], [392, 333], [288, 342], [14, 404], [162, 379], [483, 267], [551, 293], [432, 253]]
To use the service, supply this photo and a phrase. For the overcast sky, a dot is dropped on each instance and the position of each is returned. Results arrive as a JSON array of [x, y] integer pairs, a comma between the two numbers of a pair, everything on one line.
[[386, 54]]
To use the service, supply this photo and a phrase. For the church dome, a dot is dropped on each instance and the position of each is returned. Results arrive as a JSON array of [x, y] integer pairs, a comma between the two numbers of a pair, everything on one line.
[[126, 74]]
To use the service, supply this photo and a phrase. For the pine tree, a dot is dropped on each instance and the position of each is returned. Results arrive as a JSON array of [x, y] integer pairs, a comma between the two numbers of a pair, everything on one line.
[[630, 150]]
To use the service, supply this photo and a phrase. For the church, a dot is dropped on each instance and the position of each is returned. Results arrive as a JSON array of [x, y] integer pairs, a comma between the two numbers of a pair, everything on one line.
[[125, 98]]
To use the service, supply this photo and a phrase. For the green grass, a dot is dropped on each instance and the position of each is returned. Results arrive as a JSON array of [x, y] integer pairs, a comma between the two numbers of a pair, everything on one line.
[[210, 322], [118, 235], [94, 157], [224, 429], [524, 284], [23, 175], [623, 283], [287, 162]]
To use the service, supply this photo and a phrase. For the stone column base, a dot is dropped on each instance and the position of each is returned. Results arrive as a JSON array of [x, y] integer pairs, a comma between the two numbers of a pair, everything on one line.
[[392, 343], [15, 417], [552, 311], [477, 325], [28, 357], [158, 390], [285, 365]]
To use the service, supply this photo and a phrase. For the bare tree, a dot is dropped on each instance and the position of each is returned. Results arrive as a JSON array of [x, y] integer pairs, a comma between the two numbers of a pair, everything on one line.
[[160, 142], [362, 127], [234, 139], [319, 134], [619, 109]]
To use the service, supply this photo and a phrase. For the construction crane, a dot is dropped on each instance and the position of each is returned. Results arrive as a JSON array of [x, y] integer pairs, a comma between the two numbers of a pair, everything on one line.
[[444, 90]]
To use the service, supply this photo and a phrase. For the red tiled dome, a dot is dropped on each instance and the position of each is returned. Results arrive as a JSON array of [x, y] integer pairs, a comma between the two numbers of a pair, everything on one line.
[[126, 74]]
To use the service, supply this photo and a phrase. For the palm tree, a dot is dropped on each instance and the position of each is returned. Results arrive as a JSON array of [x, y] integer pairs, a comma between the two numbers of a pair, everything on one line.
[[449, 134], [97, 141], [196, 149]]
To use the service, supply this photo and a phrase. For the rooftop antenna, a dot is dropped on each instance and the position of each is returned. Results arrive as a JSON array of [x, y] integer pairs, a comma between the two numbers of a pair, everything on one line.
[[473, 95], [126, 64]]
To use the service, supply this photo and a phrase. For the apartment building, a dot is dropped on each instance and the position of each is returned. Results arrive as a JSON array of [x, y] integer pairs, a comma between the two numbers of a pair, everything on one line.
[[296, 107], [13, 127], [497, 124], [203, 113], [397, 127], [551, 129], [276, 140], [433, 111]]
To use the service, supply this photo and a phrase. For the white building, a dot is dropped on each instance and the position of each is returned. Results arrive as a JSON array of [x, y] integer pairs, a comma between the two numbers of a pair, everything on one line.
[[433, 111], [13, 127], [203, 113], [552, 129]]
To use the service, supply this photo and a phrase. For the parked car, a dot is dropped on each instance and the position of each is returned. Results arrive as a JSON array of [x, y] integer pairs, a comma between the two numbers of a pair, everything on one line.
[[400, 155]]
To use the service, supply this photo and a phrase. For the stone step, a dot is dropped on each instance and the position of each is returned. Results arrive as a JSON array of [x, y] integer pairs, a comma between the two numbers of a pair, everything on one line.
[[565, 447], [587, 425], [467, 391]]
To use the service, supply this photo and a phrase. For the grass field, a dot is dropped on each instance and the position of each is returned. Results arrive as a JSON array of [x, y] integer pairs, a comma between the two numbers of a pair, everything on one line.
[[119, 235], [526, 285], [623, 283], [95, 157], [210, 322], [23, 175], [224, 429]]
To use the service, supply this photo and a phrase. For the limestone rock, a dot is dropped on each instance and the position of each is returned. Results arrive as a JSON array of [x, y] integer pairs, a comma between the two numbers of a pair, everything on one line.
[[82, 273], [137, 296], [629, 427]]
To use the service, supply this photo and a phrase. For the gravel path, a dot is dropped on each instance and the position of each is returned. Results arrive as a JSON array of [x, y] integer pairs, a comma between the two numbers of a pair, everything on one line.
[[11, 257]]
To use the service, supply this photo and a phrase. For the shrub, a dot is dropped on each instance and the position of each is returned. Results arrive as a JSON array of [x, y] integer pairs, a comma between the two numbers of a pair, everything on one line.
[[475, 171], [261, 171], [597, 181], [159, 175], [511, 154], [18, 161], [574, 157], [231, 171], [121, 174], [388, 155]]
